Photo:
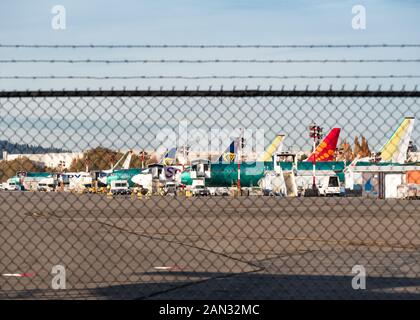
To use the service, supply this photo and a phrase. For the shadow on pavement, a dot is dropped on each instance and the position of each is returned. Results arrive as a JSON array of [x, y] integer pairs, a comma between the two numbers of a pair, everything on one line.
[[268, 286]]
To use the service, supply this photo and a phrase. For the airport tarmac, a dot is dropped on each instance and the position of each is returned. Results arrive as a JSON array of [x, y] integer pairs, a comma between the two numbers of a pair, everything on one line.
[[207, 248]]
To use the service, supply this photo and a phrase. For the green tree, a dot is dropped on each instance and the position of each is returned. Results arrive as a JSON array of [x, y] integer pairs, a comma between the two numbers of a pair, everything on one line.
[[9, 168], [364, 149], [97, 159], [102, 159]]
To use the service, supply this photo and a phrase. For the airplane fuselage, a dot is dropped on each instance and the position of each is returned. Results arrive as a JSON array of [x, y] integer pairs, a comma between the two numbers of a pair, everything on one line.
[[226, 174]]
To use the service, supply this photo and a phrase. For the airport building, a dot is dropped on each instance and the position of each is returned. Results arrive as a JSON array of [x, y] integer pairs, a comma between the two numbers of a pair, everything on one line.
[[51, 160]]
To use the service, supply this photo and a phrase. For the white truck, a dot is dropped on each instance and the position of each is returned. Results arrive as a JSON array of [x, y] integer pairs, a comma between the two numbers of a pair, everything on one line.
[[170, 188], [119, 187], [47, 185], [329, 186], [11, 185], [218, 191], [199, 189]]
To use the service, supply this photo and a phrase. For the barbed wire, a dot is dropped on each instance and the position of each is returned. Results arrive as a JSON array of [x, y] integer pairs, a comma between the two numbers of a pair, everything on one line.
[[206, 46], [145, 61], [179, 77], [216, 91], [206, 61]]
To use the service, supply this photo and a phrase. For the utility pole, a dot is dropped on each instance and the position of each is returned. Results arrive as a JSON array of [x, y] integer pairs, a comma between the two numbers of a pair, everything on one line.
[[185, 153], [315, 132], [240, 145], [86, 165]]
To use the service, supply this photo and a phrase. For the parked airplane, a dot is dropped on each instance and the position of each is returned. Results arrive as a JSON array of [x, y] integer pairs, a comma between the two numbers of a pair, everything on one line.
[[29, 180], [164, 171], [394, 151], [172, 174], [226, 175], [79, 180], [230, 155], [102, 176], [74, 180], [218, 174], [128, 174]]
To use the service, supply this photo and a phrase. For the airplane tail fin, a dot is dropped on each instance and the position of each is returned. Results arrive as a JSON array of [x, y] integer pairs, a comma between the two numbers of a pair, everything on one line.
[[395, 149], [169, 158], [118, 162], [326, 149], [274, 147], [229, 155], [127, 161]]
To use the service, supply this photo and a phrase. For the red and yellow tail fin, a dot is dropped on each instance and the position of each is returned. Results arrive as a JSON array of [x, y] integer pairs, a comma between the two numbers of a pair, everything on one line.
[[326, 149]]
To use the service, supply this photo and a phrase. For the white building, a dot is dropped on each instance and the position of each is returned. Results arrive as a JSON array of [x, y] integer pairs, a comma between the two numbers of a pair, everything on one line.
[[52, 160]]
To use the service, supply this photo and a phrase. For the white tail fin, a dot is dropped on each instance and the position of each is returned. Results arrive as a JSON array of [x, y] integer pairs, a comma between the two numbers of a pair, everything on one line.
[[126, 164]]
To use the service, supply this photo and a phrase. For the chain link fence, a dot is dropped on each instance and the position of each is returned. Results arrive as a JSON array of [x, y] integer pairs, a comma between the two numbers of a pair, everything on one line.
[[209, 195]]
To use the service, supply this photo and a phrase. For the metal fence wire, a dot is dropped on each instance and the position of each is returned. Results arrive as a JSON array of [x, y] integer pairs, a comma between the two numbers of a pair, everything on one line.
[[209, 194]]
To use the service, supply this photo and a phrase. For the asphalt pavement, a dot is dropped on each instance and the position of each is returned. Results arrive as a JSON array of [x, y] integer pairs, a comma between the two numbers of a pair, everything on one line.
[[207, 248]]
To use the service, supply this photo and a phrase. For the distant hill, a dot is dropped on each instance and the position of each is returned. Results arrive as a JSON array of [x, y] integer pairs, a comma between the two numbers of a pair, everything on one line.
[[14, 148], [9, 169], [101, 158]]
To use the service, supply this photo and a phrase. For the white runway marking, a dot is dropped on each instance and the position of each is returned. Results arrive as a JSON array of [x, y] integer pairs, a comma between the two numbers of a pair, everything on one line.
[[168, 268], [18, 275]]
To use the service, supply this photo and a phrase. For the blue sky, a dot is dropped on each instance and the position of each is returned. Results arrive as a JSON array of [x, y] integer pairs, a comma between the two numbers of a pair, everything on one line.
[[216, 21], [206, 22]]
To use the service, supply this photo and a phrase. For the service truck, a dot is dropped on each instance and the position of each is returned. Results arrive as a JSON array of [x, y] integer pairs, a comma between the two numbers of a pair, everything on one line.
[[119, 187]]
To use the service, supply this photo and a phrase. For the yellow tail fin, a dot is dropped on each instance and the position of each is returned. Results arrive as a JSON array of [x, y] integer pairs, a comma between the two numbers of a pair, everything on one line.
[[272, 148], [395, 150]]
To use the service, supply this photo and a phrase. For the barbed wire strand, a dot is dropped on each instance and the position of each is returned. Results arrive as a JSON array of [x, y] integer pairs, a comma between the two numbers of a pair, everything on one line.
[[147, 77], [144, 61], [206, 46]]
